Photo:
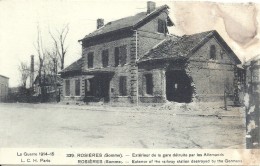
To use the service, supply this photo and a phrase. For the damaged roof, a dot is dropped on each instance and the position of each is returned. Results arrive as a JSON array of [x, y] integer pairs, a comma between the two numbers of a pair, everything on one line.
[[74, 67], [131, 22], [183, 47]]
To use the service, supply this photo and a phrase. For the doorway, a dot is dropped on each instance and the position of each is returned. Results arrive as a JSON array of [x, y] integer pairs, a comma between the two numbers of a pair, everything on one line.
[[97, 88], [178, 86]]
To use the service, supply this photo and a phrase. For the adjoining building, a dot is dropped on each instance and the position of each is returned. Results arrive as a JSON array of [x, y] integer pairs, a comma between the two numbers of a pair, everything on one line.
[[135, 59], [4, 86], [49, 89]]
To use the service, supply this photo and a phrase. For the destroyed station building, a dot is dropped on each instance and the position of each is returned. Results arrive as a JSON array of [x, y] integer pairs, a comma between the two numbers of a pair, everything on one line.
[[136, 60]]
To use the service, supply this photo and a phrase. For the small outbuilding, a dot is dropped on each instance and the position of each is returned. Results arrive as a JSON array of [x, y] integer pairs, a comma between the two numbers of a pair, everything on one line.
[[4, 86]]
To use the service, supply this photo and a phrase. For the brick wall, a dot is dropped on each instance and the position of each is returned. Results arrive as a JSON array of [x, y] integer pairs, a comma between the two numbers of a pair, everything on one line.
[[211, 77], [137, 43], [72, 96]]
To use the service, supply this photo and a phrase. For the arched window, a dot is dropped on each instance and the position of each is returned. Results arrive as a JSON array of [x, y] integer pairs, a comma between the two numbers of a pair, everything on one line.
[[213, 52]]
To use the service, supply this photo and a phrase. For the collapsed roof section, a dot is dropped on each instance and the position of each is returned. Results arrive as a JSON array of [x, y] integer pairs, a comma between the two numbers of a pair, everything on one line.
[[183, 47]]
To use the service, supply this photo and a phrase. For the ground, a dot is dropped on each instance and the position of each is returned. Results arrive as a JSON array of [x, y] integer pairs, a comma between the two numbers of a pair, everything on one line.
[[170, 125]]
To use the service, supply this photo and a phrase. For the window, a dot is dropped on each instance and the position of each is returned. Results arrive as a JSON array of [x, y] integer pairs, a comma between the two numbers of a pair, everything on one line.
[[122, 86], [67, 87], [90, 59], [89, 87], [116, 56], [105, 58], [120, 55], [213, 52], [123, 54], [222, 53], [77, 87], [149, 83], [161, 26]]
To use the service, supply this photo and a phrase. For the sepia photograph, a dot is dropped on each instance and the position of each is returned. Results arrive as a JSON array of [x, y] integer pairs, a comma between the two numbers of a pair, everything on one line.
[[129, 74]]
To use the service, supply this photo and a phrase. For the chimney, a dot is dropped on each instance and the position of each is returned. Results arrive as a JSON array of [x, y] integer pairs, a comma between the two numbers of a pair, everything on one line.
[[100, 22], [32, 71], [150, 7]]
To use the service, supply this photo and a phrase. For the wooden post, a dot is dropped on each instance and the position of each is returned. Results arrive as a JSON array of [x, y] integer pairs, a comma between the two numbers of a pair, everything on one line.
[[252, 120]]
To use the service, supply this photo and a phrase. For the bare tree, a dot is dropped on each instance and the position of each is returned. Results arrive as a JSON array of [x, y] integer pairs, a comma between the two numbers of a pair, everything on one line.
[[59, 41], [51, 62], [40, 53], [25, 73]]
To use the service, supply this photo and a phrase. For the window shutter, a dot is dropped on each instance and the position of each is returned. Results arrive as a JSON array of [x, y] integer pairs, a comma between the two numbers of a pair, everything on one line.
[[149, 84], [90, 59], [122, 86], [105, 58], [116, 56], [67, 87], [123, 54], [77, 87], [161, 26], [213, 52]]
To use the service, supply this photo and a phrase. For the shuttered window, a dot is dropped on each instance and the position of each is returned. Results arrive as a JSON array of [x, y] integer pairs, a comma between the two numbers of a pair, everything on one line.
[[213, 52], [67, 87], [149, 84], [77, 87], [116, 56], [122, 86], [123, 54], [105, 58], [161, 26], [90, 59]]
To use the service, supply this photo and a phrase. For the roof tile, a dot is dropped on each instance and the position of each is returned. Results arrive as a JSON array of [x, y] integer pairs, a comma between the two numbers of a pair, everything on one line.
[[176, 47]]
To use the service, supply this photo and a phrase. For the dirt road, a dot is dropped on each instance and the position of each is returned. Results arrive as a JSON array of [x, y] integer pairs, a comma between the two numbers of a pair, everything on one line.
[[61, 126]]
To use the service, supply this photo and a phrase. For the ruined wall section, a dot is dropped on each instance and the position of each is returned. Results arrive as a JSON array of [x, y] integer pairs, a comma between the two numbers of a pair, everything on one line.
[[212, 77]]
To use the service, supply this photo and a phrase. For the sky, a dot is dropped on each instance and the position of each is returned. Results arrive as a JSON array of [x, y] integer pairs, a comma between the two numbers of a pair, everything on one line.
[[237, 23]]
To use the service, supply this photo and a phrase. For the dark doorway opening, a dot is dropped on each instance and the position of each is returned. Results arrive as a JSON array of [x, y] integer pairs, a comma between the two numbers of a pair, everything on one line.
[[178, 86], [97, 88]]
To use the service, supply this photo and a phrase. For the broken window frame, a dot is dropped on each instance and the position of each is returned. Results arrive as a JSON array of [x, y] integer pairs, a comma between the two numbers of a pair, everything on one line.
[[212, 52], [77, 87], [105, 58], [148, 84], [67, 88], [91, 60], [122, 86]]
